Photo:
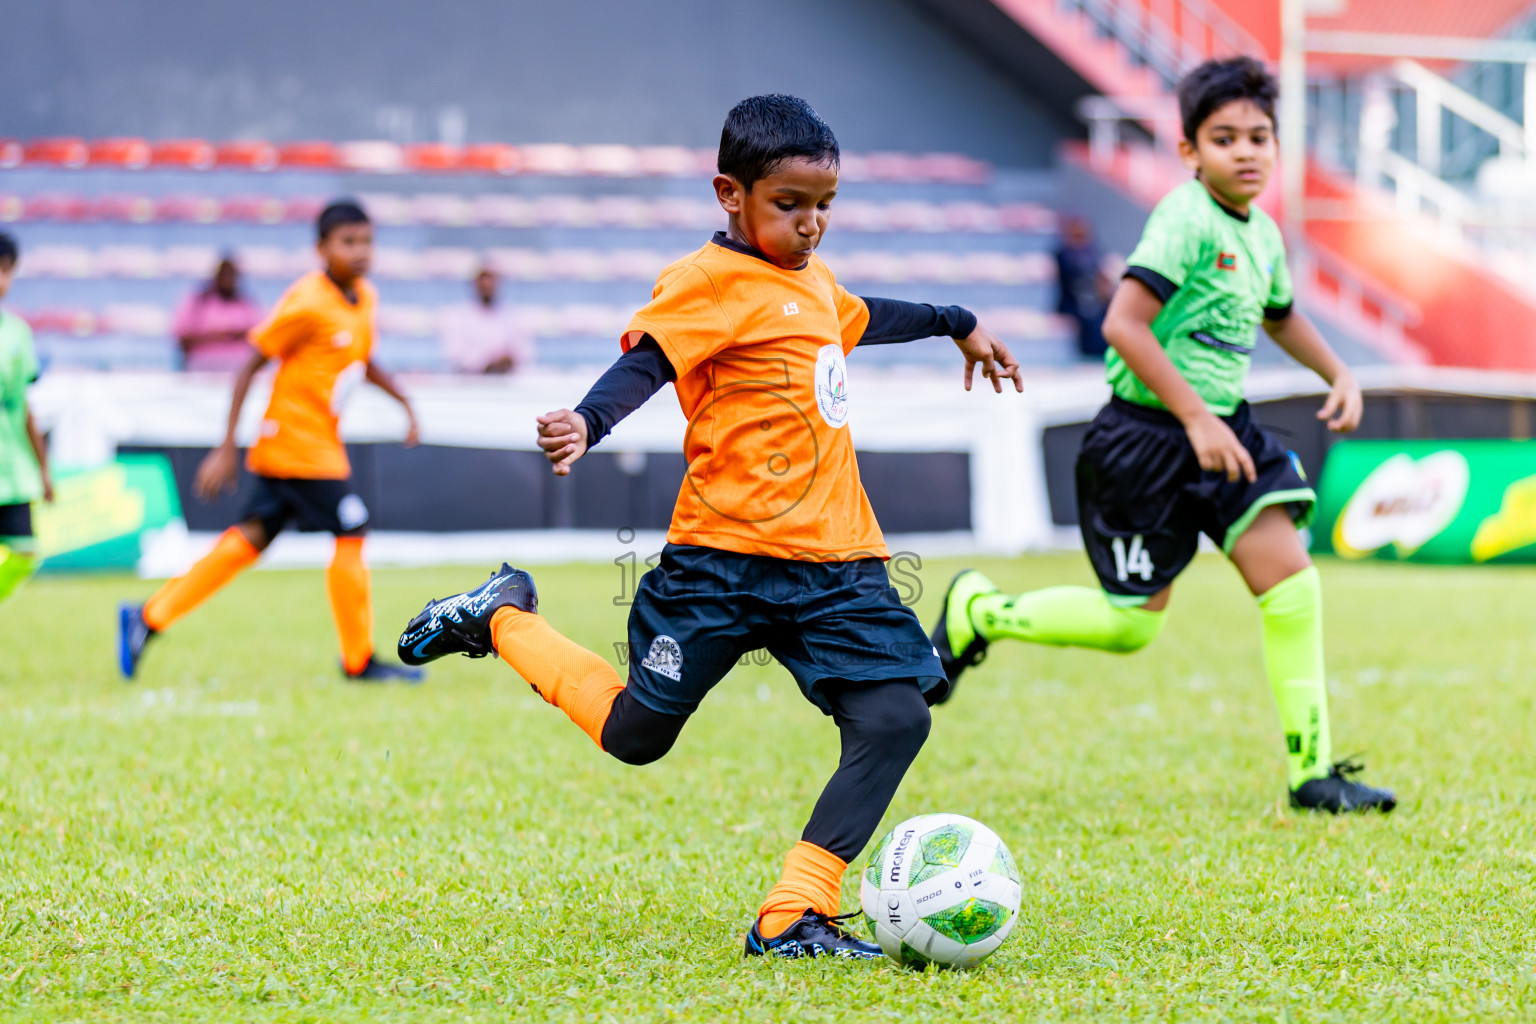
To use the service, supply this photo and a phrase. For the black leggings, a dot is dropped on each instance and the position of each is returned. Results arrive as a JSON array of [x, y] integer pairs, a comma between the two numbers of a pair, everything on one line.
[[883, 725]]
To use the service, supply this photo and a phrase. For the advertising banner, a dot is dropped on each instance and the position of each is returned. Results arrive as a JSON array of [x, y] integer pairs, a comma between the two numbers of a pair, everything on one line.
[[1454, 502], [99, 516]]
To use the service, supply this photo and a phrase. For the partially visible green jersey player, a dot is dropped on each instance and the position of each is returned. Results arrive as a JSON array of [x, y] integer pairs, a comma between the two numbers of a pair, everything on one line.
[[23, 457], [1176, 452]]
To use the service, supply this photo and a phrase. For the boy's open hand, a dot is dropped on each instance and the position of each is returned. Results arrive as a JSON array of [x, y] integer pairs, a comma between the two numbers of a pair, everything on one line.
[[217, 473], [997, 363], [1344, 406], [563, 436], [1218, 449]]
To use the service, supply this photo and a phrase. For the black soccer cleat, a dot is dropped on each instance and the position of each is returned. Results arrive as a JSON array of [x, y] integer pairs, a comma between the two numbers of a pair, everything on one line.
[[960, 647], [461, 624], [133, 633], [813, 935], [377, 671], [1338, 793]]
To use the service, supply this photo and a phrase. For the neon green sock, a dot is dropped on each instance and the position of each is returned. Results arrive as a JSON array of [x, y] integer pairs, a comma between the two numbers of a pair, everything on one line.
[[1065, 617], [15, 566], [1293, 661]]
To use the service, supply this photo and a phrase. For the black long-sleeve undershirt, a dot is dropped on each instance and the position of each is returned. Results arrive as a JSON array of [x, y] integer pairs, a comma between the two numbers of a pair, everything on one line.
[[639, 373]]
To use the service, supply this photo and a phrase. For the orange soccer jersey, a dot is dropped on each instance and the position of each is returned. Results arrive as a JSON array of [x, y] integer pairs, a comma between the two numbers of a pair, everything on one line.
[[761, 375], [323, 343]]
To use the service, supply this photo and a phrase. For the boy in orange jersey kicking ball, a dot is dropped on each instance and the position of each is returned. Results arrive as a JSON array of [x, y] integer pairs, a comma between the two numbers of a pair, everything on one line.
[[321, 333], [773, 543]]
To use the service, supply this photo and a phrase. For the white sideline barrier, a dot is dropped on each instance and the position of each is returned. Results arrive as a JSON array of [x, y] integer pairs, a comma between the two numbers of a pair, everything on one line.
[[89, 414]]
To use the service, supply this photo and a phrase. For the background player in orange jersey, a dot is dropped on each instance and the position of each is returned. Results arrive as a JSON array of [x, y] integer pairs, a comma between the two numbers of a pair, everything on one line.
[[773, 542], [321, 332]]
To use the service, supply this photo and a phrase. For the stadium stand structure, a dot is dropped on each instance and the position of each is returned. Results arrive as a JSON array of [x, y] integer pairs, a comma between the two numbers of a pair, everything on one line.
[[118, 230]]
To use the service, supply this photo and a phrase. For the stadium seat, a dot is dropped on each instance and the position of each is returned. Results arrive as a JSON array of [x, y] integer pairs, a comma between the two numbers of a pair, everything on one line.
[[131, 154], [610, 161], [377, 157], [124, 209], [433, 156], [552, 159], [501, 211], [59, 152], [667, 161], [57, 207], [309, 155], [253, 156], [10, 154], [441, 209], [491, 158], [193, 154], [252, 210], [188, 209]]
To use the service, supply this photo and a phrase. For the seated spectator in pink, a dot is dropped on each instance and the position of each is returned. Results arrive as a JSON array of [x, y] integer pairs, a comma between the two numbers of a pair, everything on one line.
[[212, 323], [483, 337]]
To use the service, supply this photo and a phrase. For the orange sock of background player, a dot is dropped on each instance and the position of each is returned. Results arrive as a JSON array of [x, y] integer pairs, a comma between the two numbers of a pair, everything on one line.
[[813, 880], [231, 554], [561, 671], [351, 603]]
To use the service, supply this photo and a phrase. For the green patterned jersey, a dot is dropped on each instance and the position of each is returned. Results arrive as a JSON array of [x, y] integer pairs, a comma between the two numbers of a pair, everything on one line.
[[1219, 275], [20, 478]]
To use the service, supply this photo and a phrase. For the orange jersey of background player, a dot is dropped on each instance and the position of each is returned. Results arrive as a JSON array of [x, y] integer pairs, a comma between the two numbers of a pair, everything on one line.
[[323, 343], [759, 352]]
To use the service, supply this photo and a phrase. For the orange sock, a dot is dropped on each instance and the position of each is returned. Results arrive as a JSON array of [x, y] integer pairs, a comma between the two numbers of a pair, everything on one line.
[[351, 603], [179, 596], [813, 880], [561, 671]]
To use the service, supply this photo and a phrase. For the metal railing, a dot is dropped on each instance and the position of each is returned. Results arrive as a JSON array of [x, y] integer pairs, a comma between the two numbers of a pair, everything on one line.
[[1168, 36]]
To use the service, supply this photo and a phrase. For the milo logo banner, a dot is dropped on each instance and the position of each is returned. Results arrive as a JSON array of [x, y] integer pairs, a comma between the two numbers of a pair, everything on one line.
[[1429, 501], [99, 516]]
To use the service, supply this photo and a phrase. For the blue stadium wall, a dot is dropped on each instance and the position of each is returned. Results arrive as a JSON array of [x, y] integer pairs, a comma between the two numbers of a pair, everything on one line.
[[888, 74]]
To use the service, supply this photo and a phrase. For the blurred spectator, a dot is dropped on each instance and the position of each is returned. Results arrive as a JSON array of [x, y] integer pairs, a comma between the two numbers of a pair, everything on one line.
[[482, 337], [1085, 288], [212, 323]]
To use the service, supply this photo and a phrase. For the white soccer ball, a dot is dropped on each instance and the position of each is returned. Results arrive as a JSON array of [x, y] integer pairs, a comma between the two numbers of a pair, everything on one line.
[[941, 889]]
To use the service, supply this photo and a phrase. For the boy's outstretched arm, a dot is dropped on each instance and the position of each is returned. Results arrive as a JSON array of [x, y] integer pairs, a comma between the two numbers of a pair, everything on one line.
[[894, 320], [386, 383], [566, 434], [1128, 327], [216, 474], [1303, 343]]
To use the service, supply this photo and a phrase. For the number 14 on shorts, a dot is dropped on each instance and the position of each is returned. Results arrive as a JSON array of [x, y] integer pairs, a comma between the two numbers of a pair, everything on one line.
[[1131, 559]]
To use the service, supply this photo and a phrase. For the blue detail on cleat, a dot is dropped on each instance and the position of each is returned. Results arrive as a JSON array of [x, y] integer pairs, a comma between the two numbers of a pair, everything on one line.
[[811, 936], [132, 635], [461, 624]]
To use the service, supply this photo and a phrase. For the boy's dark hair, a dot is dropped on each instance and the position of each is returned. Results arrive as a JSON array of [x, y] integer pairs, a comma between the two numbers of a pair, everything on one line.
[[762, 132], [338, 213], [10, 252], [1216, 83]]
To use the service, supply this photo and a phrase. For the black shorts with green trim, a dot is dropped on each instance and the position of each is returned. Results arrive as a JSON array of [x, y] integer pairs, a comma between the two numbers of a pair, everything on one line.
[[16, 520], [703, 610], [1143, 500]]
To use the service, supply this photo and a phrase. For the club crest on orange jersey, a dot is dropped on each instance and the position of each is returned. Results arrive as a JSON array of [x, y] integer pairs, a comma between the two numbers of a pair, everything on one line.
[[1226, 261], [832, 386]]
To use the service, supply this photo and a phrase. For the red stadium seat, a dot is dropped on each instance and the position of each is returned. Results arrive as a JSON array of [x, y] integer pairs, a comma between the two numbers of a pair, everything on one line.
[[196, 154], [80, 322], [62, 152], [252, 209], [188, 209], [10, 153], [433, 156], [312, 155], [124, 209], [252, 156], [302, 209], [57, 207], [132, 154], [491, 158]]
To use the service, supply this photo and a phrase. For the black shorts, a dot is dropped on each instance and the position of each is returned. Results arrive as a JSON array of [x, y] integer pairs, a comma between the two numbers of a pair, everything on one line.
[[702, 610], [328, 506], [1143, 500], [16, 520]]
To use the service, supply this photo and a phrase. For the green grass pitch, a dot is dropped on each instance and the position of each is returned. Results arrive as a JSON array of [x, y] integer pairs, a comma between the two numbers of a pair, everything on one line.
[[241, 835]]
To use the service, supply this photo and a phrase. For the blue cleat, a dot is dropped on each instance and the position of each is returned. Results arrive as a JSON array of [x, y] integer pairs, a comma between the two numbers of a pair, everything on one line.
[[132, 635], [461, 624], [813, 935], [377, 671]]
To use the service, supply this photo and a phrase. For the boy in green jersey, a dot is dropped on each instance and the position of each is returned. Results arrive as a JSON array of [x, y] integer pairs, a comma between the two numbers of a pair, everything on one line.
[[1176, 452], [23, 457]]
